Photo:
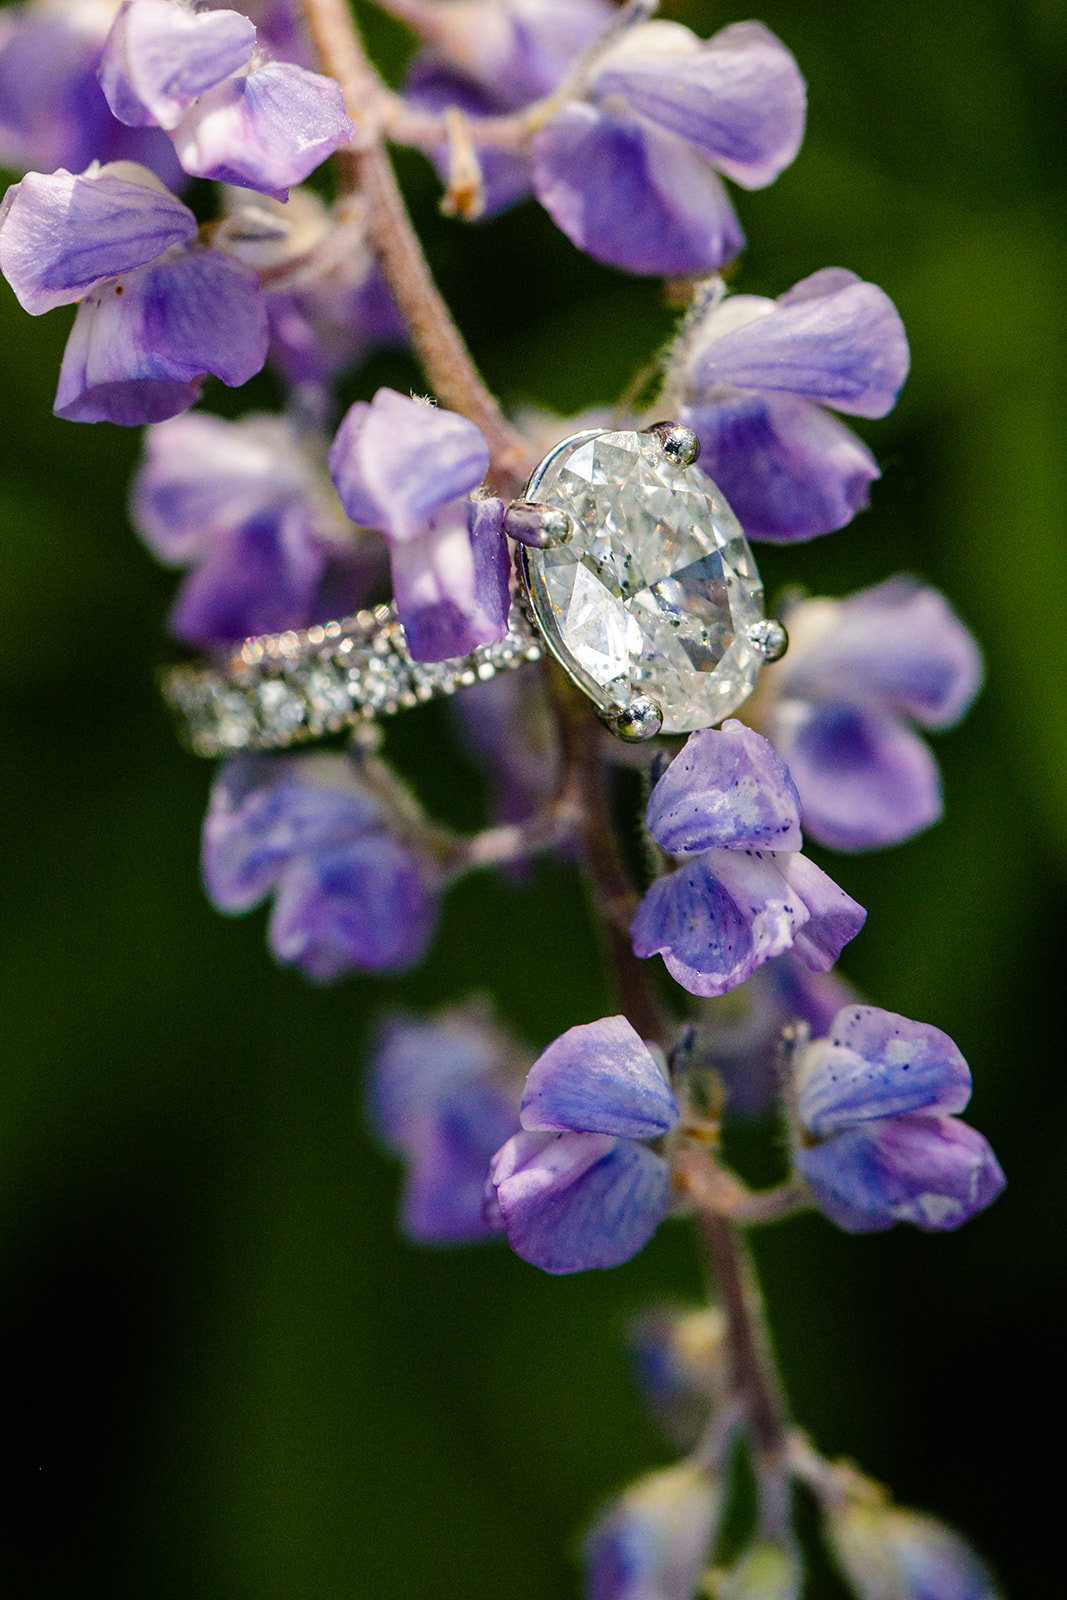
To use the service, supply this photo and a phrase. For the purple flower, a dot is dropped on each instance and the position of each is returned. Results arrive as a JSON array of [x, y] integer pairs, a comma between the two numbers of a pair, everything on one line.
[[406, 469], [262, 124], [654, 1541], [885, 1551], [743, 892], [347, 894], [757, 376], [630, 173], [578, 1187], [875, 1100], [249, 509], [679, 1360], [441, 1096], [840, 709]]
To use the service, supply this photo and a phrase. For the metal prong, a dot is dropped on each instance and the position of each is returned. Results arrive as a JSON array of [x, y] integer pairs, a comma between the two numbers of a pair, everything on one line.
[[541, 527], [679, 444], [641, 719], [768, 638]]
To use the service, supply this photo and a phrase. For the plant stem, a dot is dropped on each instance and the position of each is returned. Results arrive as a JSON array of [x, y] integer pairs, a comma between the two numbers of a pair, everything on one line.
[[753, 1378], [365, 168]]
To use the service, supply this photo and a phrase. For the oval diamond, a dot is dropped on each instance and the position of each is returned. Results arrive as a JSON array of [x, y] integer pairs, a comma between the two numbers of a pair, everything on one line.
[[653, 592]]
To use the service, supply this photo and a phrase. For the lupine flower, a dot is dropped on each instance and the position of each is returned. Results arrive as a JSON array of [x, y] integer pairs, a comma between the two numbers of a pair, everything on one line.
[[52, 110], [347, 894], [840, 709], [631, 171], [157, 312], [579, 1187], [727, 806], [232, 116], [890, 1554], [406, 469], [756, 380], [653, 1542], [875, 1102], [679, 1360], [442, 1097], [250, 510]]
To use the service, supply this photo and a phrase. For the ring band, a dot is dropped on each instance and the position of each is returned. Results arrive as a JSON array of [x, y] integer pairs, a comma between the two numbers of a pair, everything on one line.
[[280, 689]]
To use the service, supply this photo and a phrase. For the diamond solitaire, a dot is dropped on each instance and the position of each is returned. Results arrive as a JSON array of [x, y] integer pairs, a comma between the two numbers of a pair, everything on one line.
[[646, 591]]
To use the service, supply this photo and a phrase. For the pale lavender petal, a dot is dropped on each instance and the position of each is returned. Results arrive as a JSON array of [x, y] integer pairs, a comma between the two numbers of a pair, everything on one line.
[[935, 1172], [396, 461], [885, 1550], [159, 57], [726, 789], [865, 779], [323, 326], [654, 1541], [789, 469], [572, 1201], [266, 130], [419, 1062], [833, 917], [840, 343], [362, 906], [61, 234], [261, 577], [141, 345], [599, 1077], [265, 810], [632, 194], [451, 584], [739, 96], [877, 1064], [443, 1200], [898, 645]]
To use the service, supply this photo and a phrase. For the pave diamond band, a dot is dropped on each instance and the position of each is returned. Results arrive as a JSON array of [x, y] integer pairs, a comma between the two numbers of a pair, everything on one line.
[[281, 689]]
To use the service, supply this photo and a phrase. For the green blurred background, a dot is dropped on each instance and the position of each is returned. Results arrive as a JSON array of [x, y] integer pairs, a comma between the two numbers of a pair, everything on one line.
[[224, 1375]]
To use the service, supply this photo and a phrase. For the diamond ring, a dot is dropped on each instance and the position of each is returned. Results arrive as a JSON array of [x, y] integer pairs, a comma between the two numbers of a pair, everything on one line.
[[635, 577]]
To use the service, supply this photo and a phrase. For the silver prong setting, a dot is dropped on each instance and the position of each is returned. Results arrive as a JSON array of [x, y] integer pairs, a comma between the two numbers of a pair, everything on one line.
[[679, 444], [768, 638], [538, 526], [641, 719]]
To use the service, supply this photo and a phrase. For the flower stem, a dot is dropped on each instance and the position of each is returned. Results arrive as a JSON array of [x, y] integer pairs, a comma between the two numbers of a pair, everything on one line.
[[365, 168]]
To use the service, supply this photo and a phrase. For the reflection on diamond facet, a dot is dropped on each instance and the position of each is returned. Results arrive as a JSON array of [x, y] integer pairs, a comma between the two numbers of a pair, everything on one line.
[[653, 592]]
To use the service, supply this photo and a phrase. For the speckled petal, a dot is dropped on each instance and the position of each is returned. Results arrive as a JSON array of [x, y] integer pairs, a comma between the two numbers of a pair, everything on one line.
[[599, 1077], [875, 1063], [726, 789]]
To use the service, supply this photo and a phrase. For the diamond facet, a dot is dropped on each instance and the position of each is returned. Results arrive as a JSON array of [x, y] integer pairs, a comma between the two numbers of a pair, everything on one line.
[[655, 589]]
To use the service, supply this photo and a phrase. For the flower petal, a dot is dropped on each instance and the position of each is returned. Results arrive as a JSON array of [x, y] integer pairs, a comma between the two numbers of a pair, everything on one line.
[[451, 586], [572, 1201], [833, 916], [935, 1172], [865, 779], [262, 577], [62, 234], [739, 97], [789, 469], [877, 1064], [432, 85], [884, 1550], [654, 1541], [631, 194], [159, 57], [726, 789], [264, 131], [832, 338], [396, 461], [599, 1077]]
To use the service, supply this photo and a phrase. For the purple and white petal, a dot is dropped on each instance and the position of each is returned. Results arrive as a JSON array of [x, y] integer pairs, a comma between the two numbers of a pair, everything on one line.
[[935, 1172], [739, 96], [451, 584], [726, 789], [395, 461], [654, 1541], [142, 345], [599, 1077], [631, 194], [789, 469], [364, 906], [266, 130], [865, 779], [572, 1201], [833, 917], [62, 233], [265, 810], [898, 645], [159, 57], [877, 1064], [837, 342], [884, 1550]]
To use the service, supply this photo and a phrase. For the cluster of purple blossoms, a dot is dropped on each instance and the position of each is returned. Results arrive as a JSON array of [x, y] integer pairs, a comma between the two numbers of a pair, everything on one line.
[[623, 128]]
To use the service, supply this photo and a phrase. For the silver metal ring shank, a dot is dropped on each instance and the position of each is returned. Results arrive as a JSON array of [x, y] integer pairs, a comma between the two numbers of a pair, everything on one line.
[[282, 689]]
